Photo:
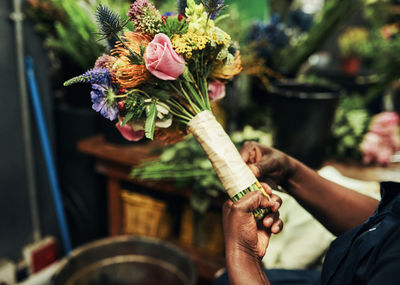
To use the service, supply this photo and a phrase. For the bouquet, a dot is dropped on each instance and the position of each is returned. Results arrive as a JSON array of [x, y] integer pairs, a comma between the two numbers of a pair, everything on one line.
[[158, 80]]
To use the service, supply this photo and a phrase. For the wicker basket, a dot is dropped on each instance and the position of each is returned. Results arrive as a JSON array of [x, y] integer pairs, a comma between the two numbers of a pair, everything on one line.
[[143, 215]]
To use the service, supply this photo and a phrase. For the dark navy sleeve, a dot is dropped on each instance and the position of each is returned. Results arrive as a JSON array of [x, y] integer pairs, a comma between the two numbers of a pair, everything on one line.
[[386, 269]]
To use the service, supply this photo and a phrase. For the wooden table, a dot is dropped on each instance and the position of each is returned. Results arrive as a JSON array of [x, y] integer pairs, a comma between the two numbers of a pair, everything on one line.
[[368, 173]]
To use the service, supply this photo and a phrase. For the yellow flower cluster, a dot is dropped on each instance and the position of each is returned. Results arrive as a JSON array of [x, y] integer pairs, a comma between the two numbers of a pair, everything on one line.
[[187, 43], [220, 37], [201, 31]]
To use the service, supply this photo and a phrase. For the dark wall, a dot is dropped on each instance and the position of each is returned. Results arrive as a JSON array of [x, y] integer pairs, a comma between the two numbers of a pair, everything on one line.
[[82, 190], [15, 221]]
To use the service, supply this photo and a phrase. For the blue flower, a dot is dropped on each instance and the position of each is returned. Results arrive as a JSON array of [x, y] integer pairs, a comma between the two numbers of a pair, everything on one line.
[[300, 19], [103, 99], [168, 14], [256, 31]]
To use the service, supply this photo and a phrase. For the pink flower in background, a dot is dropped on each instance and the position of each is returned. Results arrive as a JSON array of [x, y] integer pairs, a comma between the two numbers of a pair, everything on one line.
[[385, 123], [375, 149], [216, 90], [128, 133], [162, 60], [382, 140]]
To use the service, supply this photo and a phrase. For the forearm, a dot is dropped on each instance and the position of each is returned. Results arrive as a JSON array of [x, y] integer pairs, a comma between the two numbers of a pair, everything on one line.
[[243, 268], [336, 207]]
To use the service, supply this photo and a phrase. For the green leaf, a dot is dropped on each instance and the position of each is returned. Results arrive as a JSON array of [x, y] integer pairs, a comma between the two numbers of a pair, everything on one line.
[[128, 116], [159, 93], [151, 114]]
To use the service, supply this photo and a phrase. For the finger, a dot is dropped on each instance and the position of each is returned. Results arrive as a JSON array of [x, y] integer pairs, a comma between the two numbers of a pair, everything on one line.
[[227, 206], [267, 188], [251, 152], [245, 151], [270, 219], [250, 202], [276, 202], [277, 227], [264, 167], [256, 154]]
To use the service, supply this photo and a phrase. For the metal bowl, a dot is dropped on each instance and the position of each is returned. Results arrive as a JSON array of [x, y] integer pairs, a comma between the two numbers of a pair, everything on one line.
[[126, 260]]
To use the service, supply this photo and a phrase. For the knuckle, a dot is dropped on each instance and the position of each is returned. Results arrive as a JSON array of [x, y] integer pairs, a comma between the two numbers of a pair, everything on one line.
[[236, 207]]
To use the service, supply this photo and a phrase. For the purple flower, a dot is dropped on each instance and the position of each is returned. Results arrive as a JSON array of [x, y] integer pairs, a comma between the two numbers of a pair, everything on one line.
[[168, 14], [100, 76], [104, 101]]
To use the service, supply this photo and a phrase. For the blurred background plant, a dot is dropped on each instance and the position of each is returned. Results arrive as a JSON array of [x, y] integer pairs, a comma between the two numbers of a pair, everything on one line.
[[70, 28], [350, 126], [279, 47], [354, 47]]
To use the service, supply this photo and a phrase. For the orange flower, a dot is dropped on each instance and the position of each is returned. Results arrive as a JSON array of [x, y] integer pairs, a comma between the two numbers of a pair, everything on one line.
[[227, 71], [125, 73]]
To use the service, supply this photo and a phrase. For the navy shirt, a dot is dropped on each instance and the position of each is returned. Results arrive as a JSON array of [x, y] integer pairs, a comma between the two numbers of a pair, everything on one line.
[[370, 253]]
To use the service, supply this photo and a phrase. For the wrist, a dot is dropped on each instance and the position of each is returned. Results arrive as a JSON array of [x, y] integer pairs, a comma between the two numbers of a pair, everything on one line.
[[244, 267], [236, 252], [291, 174]]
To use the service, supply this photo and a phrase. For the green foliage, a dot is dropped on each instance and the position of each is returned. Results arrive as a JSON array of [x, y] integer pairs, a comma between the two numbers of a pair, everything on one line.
[[75, 34], [134, 106], [187, 165], [350, 126], [376, 12], [385, 57], [173, 26]]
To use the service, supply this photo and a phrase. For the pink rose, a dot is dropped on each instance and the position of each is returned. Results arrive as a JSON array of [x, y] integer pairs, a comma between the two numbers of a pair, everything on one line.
[[128, 133], [216, 90], [162, 60]]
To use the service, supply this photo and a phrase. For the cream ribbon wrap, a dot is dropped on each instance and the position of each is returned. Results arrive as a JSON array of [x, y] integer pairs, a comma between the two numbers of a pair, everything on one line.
[[234, 174]]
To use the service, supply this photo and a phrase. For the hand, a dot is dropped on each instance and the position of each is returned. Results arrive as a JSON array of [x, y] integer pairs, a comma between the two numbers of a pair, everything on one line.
[[242, 232], [267, 162]]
